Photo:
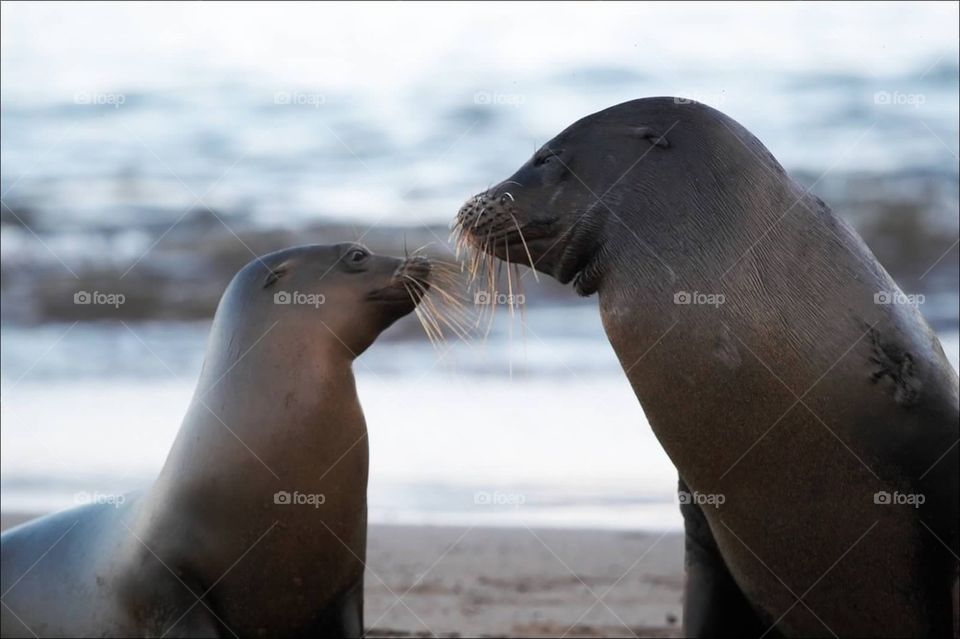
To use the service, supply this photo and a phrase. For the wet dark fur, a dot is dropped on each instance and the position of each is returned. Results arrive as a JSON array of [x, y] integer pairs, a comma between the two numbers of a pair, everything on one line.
[[799, 398]]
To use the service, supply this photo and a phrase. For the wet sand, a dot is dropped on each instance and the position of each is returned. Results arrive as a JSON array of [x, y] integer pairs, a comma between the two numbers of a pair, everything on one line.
[[518, 582]]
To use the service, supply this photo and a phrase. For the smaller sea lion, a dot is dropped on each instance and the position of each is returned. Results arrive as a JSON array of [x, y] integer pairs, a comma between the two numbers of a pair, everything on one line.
[[256, 525]]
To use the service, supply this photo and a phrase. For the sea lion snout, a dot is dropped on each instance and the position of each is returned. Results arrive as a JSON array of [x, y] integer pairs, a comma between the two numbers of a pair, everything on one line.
[[416, 267], [485, 212], [511, 221], [408, 283], [493, 216]]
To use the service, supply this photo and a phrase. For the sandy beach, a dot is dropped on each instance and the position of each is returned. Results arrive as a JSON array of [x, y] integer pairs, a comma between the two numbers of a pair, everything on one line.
[[518, 582]]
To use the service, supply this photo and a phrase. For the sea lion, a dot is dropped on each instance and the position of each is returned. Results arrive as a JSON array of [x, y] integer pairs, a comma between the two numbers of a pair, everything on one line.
[[256, 525], [814, 424]]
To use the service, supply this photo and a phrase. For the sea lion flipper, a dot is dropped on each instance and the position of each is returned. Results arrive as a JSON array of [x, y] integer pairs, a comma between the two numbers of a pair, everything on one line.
[[713, 604], [342, 616]]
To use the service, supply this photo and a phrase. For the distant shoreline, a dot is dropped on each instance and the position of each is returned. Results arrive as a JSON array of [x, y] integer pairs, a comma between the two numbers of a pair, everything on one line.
[[908, 220]]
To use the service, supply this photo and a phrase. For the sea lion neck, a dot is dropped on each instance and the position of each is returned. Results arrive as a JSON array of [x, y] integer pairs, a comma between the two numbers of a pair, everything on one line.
[[270, 416], [275, 423], [309, 381]]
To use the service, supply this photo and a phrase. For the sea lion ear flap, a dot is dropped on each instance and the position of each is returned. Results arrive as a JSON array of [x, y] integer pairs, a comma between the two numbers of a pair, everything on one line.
[[274, 274], [646, 133]]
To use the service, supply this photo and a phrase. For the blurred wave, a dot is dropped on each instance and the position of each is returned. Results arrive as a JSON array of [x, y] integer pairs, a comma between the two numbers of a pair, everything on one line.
[[155, 151], [497, 432], [151, 151]]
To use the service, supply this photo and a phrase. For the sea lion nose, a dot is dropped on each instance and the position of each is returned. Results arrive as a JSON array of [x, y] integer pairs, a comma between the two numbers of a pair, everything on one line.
[[473, 208], [417, 266], [420, 261]]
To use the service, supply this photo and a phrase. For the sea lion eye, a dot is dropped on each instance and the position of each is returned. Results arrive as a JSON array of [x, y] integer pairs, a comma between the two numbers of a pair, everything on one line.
[[357, 256], [546, 158], [543, 159]]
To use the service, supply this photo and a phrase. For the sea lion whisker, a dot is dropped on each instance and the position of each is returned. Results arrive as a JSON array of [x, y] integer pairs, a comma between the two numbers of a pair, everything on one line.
[[480, 257], [456, 235], [430, 311], [493, 275], [421, 287], [455, 323], [448, 286], [510, 301], [526, 248], [476, 220], [449, 280], [521, 302], [427, 328], [455, 305], [451, 266], [445, 270], [418, 312], [473, 256], [417, 250], [424, 301], [418, 301], [450, 321], [452, 279], [480, 261]]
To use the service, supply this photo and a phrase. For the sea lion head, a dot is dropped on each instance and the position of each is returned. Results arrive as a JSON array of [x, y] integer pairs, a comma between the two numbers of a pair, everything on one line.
[[340, 292], [605, 179]]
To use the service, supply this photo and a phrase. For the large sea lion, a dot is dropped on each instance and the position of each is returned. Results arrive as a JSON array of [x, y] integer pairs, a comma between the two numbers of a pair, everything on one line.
[[256, 525], [814, 423]]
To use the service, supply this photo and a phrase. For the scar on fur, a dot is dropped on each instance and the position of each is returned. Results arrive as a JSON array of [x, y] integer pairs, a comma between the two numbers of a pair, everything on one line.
[[897, 365]]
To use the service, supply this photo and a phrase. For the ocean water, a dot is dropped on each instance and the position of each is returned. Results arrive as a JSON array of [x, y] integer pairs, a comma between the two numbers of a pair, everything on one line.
[[541, 429], [117, 122], [126, 117]]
